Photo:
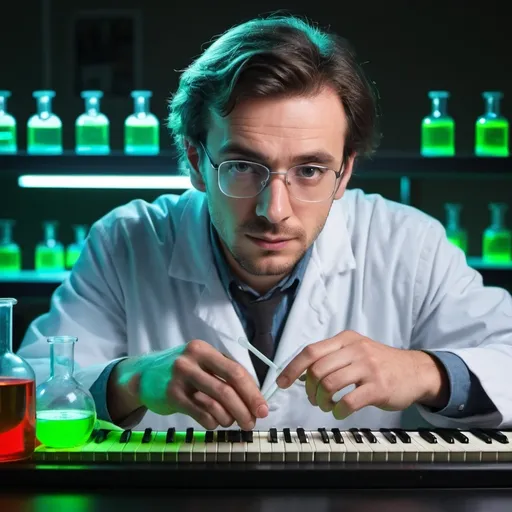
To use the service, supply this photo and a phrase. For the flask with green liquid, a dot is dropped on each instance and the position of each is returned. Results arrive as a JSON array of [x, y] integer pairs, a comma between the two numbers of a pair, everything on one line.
[[44, 128], [497, 239], [92, 127], [7, 126], [50, 252], [65, 410], [73, 250], [10, 252], [141, 129], [456, 235], [438, 129], [491, 129]]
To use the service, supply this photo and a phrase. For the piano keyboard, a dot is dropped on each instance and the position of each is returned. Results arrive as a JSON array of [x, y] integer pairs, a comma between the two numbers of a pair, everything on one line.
[[289, 445]]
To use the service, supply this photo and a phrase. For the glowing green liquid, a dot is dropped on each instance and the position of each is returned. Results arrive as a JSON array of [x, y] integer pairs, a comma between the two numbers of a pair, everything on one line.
[[44, 140], [491, 137], [72, 254], [49, 258], [497, 246], [142, 139], [64, 428], [10, 258], [92, 138], [7, 138], [458, 238], [438, 137]]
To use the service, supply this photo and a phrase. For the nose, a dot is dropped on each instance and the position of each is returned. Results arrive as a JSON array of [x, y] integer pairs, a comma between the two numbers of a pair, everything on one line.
[[274, 201]]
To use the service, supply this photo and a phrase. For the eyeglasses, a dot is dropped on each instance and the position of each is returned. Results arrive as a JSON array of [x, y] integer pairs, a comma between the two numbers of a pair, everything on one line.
[[242, 179]]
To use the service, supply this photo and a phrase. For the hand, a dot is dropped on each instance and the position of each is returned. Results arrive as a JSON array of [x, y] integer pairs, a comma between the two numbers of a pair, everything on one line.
[[385, 377], [196, 380]]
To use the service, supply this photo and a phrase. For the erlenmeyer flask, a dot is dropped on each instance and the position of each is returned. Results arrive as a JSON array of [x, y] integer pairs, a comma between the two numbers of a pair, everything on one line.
[[65, 411], [17, 404]]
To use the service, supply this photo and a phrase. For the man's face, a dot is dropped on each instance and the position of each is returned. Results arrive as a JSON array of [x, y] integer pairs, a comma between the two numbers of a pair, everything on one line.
[[279, 133]]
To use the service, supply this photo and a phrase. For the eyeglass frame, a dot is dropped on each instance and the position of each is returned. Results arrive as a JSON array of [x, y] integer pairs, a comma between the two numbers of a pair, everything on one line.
[[338, 174]]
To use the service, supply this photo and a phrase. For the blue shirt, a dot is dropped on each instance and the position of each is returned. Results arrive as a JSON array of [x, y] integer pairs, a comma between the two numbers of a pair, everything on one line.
[[466, 398]]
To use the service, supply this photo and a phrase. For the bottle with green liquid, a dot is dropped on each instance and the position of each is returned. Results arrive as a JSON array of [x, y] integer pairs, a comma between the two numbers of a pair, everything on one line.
[[92, 127], [8, 144], [438, 129], [73, 250], [10, 252], [497, 239], [65, 410], [44, 128], [491, 129], [141, 129], [50, 254], [456, 235]]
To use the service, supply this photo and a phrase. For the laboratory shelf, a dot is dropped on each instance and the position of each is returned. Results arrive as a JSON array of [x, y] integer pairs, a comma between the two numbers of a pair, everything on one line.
[[385, 165]]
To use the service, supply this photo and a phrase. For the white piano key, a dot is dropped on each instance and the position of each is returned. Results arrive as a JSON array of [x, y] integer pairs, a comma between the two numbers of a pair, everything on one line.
[[359, 452], [306, 450], [505, 450], [199, 447], [156, 452], [479, 451], [278, 449], [428, 452], [265, 446], [254, 449], [293, 449], [456, 451], [223, 450], [338, 451], [381, 449], [238, 451], [211, 450], [321, 451]]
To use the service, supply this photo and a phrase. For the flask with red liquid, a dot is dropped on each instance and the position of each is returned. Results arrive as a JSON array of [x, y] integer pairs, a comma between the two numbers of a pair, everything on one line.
[[17, 395]]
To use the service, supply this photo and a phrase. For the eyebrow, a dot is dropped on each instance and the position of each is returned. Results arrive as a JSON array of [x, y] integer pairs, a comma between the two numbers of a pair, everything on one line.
[[318, 156]]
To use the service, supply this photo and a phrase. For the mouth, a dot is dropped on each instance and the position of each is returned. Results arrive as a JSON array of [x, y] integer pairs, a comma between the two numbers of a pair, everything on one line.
[[270, 243]]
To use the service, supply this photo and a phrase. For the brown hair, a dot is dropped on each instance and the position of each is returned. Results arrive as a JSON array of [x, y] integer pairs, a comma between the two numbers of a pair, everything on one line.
[[274, 56]]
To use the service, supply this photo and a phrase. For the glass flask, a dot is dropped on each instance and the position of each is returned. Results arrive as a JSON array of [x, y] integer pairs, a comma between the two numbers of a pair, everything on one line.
[[50, 253], [7, 126], [141, 129], [65, 411], [17, 398], [456, 235], [438, 129], [73, 250], [44, 128], [10, 252], [497, 239], [491, 129], [92, 127]]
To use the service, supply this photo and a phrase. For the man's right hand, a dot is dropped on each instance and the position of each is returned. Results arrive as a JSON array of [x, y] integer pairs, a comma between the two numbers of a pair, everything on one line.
[[196, 380]]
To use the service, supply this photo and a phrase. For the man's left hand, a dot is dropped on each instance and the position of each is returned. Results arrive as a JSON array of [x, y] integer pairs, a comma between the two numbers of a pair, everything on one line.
[[385, 377]]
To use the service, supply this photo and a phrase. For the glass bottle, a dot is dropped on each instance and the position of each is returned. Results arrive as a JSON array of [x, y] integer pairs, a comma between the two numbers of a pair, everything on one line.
[[92, 127], [456, 235], [141, 129], [44, 128], [17, 398], [50, 253], [65, 411], [7, 126], [10, 252], [497, 239], [438, 129], [491, 129], [73, 250]]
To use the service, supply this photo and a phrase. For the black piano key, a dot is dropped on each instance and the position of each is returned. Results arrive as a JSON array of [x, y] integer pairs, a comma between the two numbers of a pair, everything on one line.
[[368, 434], [496, 435], [356, 435], [336, 434], [287, 435], [146, 438], [247, 436], [302, 435], [424, 433], [388, 435], [323, 434], [189, 436], [101, 435], [444, 434], [234, 436], [478, 432], [169, 438], [402, 435], [458, 435], [222, 436], [208, 436], [273, 435], [125, 436]]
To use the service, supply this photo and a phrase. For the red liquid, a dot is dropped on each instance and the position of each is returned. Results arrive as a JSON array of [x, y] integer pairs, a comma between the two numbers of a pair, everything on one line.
[[17, 419]]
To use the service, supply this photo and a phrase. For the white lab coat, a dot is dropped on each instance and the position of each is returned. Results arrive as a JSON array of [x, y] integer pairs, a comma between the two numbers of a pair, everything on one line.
[[146, 281]]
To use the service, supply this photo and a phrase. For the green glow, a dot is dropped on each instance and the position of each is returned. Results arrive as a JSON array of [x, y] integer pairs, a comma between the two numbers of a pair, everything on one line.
[[141, 137], [497, 246], [64, 428], [49, 258], [491, 137], [72, 254], [10, 258], [438, 137], [7, 136], [61, 502], [458, 238], [92, 137], [44, 139]]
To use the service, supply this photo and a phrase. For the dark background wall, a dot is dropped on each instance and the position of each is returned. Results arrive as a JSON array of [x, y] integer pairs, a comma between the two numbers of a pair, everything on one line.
[[409, 48]]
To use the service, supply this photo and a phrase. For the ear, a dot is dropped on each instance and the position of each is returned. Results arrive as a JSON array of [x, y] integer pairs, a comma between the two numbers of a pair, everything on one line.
[[345, 177], [194, 161]]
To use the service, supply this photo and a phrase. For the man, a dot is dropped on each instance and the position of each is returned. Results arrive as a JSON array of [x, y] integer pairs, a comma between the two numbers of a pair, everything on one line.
[[365, 296]]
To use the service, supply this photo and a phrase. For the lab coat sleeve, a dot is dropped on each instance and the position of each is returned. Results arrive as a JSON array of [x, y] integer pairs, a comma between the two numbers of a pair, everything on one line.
[[88, 305], [455, 312]]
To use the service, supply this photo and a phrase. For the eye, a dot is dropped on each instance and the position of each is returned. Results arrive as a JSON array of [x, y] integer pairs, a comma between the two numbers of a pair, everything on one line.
[[309, 171]]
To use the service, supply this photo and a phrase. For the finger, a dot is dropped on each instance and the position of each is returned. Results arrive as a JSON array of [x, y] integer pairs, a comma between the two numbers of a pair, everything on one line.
[[187, 406], [334, 382], [219, 413], [361, 397]]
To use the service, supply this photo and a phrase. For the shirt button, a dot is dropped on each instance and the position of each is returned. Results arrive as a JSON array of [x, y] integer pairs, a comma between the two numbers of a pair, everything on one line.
[[273, 406], [461, 407]]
